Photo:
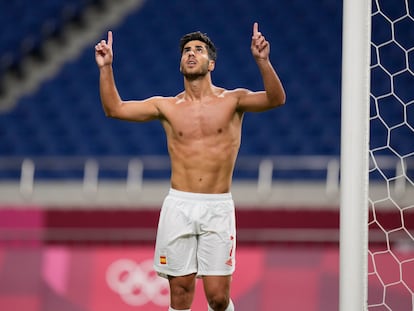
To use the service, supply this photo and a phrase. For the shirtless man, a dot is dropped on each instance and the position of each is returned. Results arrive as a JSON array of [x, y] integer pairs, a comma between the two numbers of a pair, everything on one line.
[[196, 231]]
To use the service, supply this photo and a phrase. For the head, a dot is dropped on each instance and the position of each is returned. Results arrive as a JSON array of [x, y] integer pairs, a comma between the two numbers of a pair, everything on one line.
[[198, 55], [198, 36]]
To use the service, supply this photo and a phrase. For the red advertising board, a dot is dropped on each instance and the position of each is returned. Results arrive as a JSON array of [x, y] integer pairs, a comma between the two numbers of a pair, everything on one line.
[[107, 278]]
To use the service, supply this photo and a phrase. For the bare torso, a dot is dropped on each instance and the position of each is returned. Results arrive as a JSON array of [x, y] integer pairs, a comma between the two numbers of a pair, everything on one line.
[[203, 123], [203, 140]]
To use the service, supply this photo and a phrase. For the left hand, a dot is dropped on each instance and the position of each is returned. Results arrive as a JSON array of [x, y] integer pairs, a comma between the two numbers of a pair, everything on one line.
[[259, 46]]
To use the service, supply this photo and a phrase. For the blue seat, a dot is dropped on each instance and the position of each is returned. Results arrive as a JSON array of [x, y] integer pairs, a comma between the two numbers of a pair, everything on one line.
[[65, 117]]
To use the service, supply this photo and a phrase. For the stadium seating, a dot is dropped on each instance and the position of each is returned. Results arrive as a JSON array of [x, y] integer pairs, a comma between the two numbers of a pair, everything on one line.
[[26, 26], [64, 116]]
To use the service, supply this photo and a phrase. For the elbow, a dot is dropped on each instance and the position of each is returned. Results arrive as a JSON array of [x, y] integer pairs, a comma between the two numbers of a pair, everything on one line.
[[282, 100], [109, 113], [112, 111], [282, 97], [278, 101]]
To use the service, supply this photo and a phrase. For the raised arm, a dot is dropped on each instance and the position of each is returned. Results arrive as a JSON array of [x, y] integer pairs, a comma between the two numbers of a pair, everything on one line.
[[273, 94], [112, 103]]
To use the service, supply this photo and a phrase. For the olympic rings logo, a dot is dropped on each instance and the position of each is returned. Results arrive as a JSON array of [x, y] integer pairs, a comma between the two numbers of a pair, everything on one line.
[[137, 283]]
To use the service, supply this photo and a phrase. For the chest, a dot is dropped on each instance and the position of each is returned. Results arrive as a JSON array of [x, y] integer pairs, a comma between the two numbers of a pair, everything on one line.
[[200, 120]]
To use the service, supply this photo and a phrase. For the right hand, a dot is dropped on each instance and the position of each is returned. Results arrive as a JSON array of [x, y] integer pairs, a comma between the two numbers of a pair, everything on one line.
[[103, 52], [260, 46]]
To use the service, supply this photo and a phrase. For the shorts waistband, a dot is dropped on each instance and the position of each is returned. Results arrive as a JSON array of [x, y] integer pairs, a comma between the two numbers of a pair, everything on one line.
[[200, 196]]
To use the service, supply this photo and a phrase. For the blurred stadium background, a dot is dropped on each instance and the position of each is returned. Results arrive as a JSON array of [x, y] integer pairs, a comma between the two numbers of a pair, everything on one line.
[[80, 193]]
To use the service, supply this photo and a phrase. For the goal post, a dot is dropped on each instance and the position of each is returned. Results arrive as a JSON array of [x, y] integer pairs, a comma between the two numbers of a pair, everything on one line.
[[356, 38]]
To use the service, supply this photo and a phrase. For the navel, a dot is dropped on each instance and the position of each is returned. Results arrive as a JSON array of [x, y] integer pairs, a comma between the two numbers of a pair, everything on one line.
[[220, 130]]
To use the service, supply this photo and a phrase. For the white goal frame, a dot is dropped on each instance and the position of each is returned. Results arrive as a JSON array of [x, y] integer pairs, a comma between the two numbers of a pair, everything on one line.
[[353, 284]]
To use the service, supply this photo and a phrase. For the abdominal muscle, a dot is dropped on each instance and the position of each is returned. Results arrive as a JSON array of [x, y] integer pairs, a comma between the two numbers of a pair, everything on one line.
[[203, 141], [203, 167]]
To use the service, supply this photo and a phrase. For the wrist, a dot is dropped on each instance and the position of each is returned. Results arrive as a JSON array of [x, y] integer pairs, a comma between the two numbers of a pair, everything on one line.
[[105, 67], [262, 60]]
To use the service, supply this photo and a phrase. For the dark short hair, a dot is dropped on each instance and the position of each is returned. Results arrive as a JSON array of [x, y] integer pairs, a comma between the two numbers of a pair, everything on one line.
[[197, 35]]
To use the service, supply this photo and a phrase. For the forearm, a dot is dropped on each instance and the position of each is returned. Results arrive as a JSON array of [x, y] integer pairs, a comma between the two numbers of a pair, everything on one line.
[[274, 89], [110, 98]]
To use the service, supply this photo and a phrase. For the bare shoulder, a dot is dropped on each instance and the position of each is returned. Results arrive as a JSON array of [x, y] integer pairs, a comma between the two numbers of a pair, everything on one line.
[[233, 96], [163, 101], [239, 92], [170, 103], [178, 97]]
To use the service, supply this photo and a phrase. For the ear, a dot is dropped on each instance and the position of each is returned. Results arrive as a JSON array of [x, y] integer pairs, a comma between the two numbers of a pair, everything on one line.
[[211, 65]]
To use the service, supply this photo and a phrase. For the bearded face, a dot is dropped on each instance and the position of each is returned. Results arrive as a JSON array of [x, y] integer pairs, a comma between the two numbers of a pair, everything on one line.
[[195, 62]]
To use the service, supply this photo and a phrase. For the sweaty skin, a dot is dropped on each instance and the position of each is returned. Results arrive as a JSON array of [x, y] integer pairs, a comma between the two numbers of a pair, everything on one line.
[[203, 123], [203, 140], [203, 129]]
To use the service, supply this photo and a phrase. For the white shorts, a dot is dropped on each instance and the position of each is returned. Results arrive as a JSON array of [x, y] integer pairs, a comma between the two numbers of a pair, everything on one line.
[[196, 234]]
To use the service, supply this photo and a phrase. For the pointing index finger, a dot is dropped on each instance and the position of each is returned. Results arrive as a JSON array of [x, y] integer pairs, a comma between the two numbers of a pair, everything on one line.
[[255, 29], [110, 38]]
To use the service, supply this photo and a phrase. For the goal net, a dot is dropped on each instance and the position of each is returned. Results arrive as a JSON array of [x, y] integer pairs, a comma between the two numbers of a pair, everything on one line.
[[391, 153]]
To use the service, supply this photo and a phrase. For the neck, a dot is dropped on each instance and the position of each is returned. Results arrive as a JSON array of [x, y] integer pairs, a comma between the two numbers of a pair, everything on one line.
[[198, 88]]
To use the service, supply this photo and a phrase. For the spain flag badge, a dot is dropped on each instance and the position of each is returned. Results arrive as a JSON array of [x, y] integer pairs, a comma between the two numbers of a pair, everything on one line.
[[163, 260]]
